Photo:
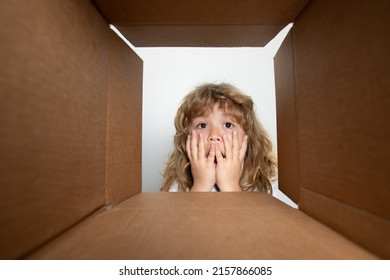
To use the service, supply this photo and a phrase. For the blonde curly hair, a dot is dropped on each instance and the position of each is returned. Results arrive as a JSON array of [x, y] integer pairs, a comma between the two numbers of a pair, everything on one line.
[[259, 162]]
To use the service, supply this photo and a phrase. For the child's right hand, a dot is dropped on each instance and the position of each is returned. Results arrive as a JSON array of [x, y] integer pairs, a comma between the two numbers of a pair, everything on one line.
[[202, 168]]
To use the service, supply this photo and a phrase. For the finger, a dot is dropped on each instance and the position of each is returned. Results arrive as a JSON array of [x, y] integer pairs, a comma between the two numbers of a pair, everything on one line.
[[194, 145], [218, 153], [244, 147], [188, 147], [228, 146], [236, 144], [201, 151], [211, 156]]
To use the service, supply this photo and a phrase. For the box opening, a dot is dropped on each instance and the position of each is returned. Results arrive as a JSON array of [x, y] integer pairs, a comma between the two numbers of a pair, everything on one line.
[[171, 72]]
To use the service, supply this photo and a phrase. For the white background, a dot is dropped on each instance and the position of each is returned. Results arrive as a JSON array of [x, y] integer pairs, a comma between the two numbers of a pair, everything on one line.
[[171, 73], [106, 269]]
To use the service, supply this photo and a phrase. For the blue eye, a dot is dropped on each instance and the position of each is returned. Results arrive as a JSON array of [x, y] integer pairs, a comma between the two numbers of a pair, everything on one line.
[[229, 125]]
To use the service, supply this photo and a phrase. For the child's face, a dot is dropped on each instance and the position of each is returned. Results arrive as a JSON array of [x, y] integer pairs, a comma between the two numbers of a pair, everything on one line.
[[213, 124]]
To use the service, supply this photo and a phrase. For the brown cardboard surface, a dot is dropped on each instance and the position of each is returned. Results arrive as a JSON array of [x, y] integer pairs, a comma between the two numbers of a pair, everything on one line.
[[221, 23], [360, 224], [53, 85], [124, 123], [200, 35], [202, 12], [55, 132], [288, 160], [201, 226], [341, 55]]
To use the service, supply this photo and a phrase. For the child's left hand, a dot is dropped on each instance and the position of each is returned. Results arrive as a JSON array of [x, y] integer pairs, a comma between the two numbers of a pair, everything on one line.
[[229, 168]]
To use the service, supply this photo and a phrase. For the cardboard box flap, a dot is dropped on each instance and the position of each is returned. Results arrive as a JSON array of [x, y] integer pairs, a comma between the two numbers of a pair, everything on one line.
[[366, 229], [200, 36], [124, 123], [62, 156], [221, 23], [341, 58], [200, 12], [286, 118], [53, 119], [201, 226]]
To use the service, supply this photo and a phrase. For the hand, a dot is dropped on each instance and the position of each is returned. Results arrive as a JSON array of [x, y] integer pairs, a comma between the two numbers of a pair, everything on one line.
[[202, 168], [229, 169]]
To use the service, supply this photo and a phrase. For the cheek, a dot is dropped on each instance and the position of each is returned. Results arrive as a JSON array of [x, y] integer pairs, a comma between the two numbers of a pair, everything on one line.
[[205, 133], [240, 134], [197, 132]]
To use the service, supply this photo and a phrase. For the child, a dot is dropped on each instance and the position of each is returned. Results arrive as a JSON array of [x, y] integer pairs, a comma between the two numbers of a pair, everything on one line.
[[219, 145]]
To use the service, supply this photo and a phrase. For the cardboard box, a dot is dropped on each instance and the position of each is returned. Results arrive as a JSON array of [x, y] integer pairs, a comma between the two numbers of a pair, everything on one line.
[[70, 133]]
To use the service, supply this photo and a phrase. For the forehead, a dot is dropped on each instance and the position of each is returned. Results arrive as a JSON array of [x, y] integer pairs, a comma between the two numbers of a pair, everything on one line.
[[213, 110]]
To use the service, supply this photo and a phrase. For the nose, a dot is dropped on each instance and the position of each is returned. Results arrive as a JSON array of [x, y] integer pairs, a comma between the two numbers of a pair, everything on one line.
[[215, 135]]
